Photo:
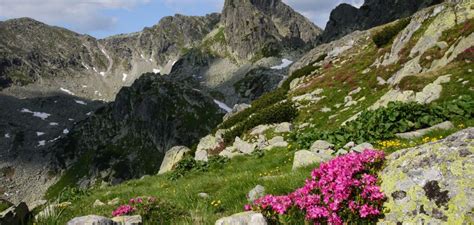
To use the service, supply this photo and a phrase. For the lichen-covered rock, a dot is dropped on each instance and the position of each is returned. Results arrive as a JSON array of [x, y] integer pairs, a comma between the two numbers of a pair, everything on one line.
[[243, 146], [305, 158], [172, 157], [431, 183], [245, 218]]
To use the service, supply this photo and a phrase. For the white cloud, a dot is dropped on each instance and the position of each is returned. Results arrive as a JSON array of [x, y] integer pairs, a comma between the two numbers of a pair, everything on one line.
[[81, 15], [318, 11], [183, 6]]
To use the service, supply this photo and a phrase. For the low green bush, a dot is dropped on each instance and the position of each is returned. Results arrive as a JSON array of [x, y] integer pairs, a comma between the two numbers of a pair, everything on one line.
[[263, 102], [189, 164], [388, 33], [384, 123], [280, 112]]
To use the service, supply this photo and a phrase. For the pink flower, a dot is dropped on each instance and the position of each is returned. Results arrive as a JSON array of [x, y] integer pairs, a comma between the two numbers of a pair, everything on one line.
[[367, 210], [247, 207], [123, 210]]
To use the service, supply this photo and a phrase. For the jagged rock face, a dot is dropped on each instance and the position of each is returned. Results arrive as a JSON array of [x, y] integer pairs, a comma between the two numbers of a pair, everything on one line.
[[30, 50], [345, 18], [38, 58], [257, 82], [260, 28], [163, 43], [129, 137]]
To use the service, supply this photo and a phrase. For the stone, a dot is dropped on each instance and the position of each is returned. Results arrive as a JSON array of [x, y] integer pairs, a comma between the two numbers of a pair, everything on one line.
[[355, 91], [283, 127], [203, 195], [90, 220], [420, 133], [362, 147], [209, 143], [243, 146], [256, 193], [230, 152], [325, 110], [260, 129], [431, 182], [114, 201], [244, 218], [349, 145], [98, 203], [172, 158], [15, 215], [305, 158], [127, 220], [341, 152], [321, 145], [381, 81], [201, 156]]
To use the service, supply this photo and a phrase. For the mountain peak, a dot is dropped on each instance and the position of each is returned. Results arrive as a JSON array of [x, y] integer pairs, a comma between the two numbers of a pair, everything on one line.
[[258, 27]]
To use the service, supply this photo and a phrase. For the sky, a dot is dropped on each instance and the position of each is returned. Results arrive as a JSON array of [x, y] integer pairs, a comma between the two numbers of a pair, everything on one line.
[[102, 18]]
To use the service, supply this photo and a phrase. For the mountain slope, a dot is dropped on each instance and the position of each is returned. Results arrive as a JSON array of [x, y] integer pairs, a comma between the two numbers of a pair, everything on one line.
[[129, 137]]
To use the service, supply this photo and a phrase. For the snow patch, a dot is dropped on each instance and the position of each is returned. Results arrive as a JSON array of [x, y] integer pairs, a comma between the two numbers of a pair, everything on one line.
[[156, 71], [71, 119], [80, 102], [39, 134], [66, 91], [65, 131], [95, 70], [57, 138], [105, 53], [84, 86], [284, 63], [54, 124], [141, 55], [89, 113], [102, 74], [85, 66], [223, 106], [41, 143], [7, 135], [41, 115], [124, 77]]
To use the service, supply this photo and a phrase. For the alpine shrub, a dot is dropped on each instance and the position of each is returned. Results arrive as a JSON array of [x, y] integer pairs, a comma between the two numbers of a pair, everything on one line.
[[388, 33]]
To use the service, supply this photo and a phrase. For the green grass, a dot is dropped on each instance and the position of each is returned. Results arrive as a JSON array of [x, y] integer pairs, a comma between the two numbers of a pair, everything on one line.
[[229, 185]]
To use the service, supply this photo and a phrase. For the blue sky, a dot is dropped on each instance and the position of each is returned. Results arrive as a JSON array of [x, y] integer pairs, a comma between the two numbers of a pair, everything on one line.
[[102, 18]]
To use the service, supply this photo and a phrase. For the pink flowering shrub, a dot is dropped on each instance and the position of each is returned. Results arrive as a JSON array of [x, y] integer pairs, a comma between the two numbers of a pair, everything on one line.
[[341, 191], [136, 206]]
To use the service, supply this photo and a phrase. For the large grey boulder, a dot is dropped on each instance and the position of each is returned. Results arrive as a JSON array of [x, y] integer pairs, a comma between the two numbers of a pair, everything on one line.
[[420, 133], [243, 146], [201, 155], [15, 215], [245, 218], [90, 220], [276, 142], [209, 143], [172, 157], [304, 158], [283, 127], [127, 220], [431, 183]]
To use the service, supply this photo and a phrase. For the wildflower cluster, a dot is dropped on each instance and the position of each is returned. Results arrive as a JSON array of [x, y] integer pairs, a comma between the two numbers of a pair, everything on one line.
[[216, 203], [136, 205], [343, 190]]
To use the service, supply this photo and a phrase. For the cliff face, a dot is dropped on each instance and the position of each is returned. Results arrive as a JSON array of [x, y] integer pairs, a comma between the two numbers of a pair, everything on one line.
[[261, 28], [129, 137], [345, 18]]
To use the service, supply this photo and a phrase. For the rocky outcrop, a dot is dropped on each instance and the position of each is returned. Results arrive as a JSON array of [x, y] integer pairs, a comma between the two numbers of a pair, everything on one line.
[[91, 219], [345, 19], [261, 28], [431, 183], [130, 136], [172, 157]]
